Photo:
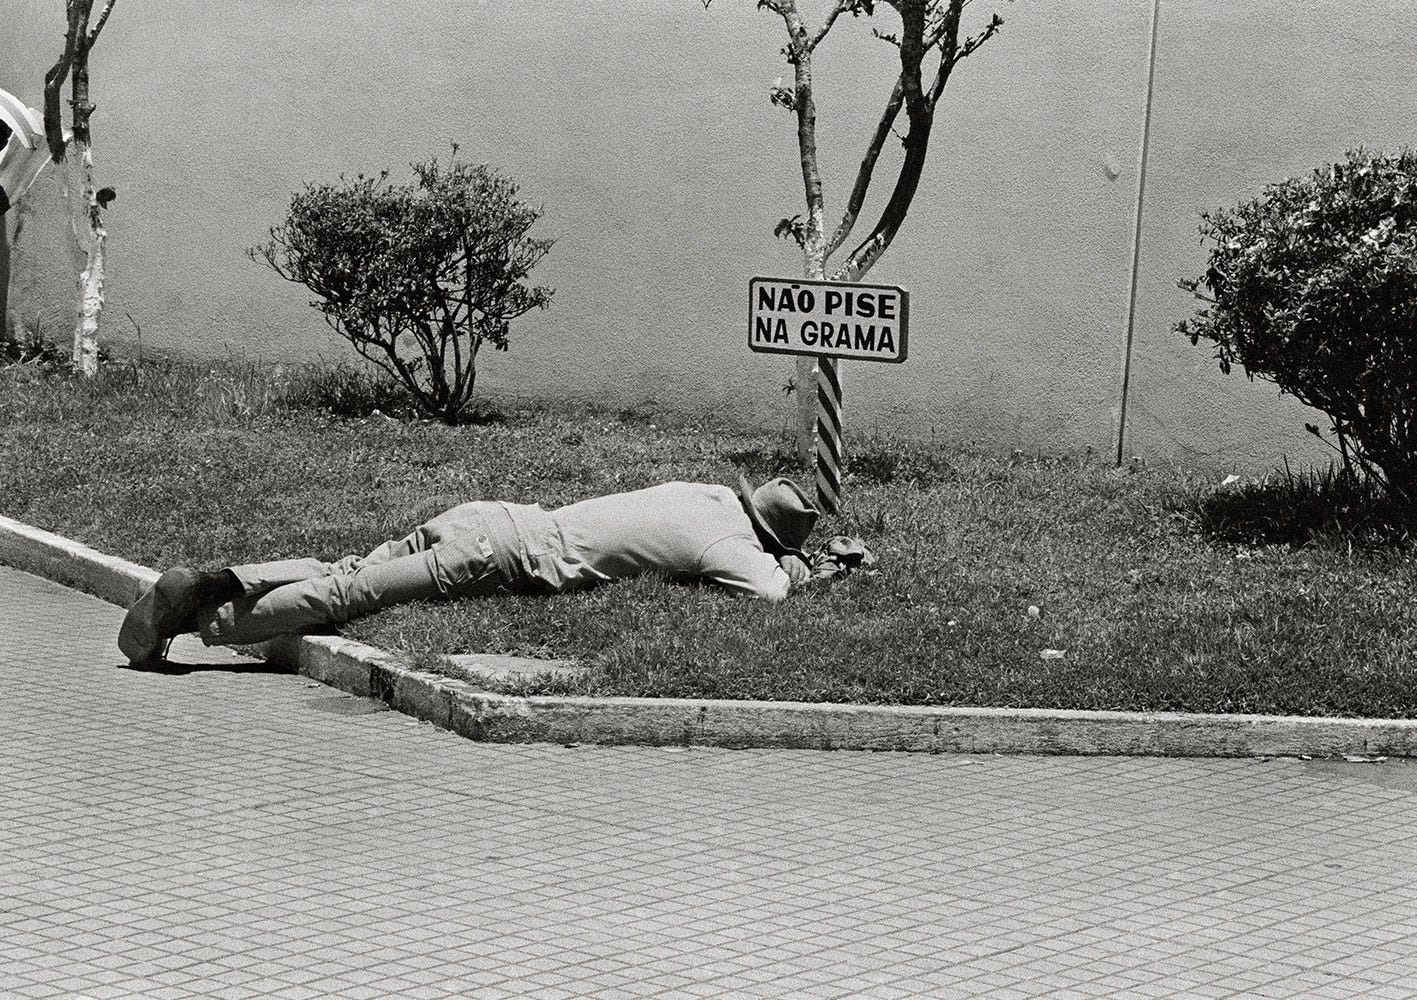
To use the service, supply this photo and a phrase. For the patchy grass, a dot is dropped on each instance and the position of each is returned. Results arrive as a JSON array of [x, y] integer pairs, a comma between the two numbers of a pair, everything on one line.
[[1164, 589]]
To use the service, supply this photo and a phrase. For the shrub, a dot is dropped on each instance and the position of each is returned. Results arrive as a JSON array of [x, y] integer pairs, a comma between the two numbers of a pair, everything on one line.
[[1313, 286], [416, 276]]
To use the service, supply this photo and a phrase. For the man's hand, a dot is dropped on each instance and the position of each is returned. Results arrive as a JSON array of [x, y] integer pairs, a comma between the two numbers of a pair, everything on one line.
[[796, 570]]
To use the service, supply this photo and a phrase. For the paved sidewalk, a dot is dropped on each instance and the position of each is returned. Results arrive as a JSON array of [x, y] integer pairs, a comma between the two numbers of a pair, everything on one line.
[[226, 832]]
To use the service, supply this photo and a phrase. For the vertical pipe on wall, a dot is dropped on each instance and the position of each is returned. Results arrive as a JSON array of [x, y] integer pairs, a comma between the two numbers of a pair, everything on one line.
[[1136, 232]]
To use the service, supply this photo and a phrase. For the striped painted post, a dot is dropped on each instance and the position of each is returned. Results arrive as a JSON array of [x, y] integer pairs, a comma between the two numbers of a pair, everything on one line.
[[830, 455]]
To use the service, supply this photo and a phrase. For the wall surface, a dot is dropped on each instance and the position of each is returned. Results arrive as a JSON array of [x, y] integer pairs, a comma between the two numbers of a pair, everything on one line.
[[643, 128]]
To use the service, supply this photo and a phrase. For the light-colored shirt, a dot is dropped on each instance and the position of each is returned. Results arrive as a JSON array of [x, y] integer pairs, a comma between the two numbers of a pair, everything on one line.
[[682, 530]]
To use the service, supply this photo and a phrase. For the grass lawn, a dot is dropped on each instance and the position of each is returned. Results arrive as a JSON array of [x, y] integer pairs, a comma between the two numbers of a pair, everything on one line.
[[1164, 589]]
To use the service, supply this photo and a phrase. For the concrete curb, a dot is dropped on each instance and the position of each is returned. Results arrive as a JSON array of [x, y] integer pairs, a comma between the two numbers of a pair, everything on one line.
[[72, 563], [480, 715]]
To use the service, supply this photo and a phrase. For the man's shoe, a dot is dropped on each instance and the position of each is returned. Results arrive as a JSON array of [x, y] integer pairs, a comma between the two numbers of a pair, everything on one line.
[[161, 612]]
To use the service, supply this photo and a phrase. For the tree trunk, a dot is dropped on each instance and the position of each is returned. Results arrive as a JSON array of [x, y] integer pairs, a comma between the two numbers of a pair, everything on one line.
[[84, 208], [804, 382], [91, 237]]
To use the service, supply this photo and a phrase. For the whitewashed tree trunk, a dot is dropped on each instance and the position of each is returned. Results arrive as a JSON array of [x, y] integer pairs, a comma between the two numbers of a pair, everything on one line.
[[85, 208], [91, 237], [805, 385]]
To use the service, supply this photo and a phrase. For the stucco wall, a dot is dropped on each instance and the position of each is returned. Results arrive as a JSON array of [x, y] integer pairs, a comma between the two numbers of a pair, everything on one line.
[[644, 129]]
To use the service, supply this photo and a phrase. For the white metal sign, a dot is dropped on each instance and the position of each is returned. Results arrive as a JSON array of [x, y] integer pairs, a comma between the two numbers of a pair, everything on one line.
[[829, 318]]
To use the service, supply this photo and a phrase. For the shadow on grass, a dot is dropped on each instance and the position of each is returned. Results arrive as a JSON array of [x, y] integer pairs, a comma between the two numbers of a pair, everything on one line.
[[765, 463], [883, 463], [1312, 508], [875, 462], [482, 418]]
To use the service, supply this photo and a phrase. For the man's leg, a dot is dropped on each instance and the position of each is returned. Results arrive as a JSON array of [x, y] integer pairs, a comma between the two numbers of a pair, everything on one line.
[[185, 599], [421, 538], [460, 563], [257, 578]]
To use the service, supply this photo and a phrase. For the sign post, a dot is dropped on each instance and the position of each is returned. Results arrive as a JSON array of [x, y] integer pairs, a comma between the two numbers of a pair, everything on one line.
[[831, 320]]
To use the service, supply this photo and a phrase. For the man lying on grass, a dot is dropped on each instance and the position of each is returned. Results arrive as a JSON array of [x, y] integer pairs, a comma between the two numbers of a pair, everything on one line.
[[749, 543]]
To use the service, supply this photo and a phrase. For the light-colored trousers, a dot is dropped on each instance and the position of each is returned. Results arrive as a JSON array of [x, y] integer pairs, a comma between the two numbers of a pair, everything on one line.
[[451, 555]]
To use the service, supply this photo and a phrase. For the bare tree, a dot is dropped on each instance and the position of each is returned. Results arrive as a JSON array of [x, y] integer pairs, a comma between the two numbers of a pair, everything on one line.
[[931, 42], [86, 201]]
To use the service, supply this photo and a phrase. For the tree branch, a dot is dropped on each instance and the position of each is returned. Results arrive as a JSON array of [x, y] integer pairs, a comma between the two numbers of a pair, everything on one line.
[[920, 113], [893, 215], [53, 119], [868, 167], [102, 20], [954, 52], [852, 7], [54, 81], [912, 54], [919, 36], [799, 54]]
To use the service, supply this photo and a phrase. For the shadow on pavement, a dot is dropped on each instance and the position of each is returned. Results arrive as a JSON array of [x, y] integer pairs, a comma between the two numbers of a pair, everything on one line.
[[178, 668]]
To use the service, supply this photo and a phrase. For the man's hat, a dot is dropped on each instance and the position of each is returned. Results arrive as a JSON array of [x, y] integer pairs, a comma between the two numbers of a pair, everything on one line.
[[781, 512]]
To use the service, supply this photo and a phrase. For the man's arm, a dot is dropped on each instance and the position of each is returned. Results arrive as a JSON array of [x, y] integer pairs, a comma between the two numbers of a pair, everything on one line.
[[742, 567]]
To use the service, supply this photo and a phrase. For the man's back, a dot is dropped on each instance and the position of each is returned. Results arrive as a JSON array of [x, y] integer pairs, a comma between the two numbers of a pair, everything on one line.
[[678, 529]]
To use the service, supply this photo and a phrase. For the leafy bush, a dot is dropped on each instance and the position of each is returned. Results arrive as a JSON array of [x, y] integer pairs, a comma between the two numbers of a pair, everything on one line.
[[416, 276], [1313, 286]]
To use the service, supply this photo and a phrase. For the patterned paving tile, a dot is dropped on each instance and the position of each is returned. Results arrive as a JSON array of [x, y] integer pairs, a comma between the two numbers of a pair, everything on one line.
[[225, 832]]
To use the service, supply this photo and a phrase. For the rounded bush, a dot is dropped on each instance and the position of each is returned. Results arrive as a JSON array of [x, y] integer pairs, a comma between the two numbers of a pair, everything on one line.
[[417, 276], [1313, 286]]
